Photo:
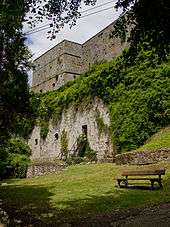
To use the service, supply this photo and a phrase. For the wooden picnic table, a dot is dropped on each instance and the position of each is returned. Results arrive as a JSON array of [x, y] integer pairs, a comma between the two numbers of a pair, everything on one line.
[[152, 175]]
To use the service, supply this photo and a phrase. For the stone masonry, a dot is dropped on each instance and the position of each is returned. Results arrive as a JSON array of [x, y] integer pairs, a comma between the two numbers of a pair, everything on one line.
[[143, 157], [72, 122], [40, 169], [67, 60], [63, 63]]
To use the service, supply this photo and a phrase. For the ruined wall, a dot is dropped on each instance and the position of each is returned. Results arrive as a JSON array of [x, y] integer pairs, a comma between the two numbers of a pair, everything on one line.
[[72, 122], [40, 169], [68, 60]]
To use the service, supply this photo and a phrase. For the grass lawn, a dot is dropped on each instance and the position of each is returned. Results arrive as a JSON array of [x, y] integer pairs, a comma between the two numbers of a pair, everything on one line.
[[79, 190]]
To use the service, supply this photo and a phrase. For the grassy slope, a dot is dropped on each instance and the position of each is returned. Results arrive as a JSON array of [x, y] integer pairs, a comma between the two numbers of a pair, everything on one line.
[[159, 140], [78, 191]]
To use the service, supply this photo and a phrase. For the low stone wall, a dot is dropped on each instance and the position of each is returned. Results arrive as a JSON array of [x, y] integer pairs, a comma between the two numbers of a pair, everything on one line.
[[40, 169], [143, 157]]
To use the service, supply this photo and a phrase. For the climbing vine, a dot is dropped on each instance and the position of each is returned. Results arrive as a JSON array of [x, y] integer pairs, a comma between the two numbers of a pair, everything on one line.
[[64, 145], [102, 127], [44, 129]]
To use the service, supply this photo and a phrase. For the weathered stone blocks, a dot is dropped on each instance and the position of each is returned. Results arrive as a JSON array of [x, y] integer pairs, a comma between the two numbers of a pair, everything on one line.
[[73, 121], [143, 157], [68, 60], [40, 169]]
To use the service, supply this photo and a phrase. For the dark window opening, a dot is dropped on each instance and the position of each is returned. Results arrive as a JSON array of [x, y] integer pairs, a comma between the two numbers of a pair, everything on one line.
[[56, 136], [36, 141], [74, 77], [53, 84], [56, 78], [84, 129], [41, 91]]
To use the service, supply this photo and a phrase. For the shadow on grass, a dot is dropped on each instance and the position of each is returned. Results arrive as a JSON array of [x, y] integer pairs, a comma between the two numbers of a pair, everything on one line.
[[31, 205], [26, 204]]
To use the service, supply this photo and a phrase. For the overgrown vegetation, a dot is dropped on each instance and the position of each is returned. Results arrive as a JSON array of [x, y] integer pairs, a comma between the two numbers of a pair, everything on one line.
[[64, 145], [102, 127], [44, 129], [137, 97], [83, 152], [15, 158]]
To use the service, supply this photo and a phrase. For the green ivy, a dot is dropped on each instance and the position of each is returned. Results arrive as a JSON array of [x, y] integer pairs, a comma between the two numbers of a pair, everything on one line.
[[44, 129], [64, 144], [102, 127], [137, 97]]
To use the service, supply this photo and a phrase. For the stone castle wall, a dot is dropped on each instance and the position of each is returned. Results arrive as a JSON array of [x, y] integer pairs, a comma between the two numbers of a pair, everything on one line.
[[73, 121], [101, 47], [65, 62], [68, 60], [57, 66]]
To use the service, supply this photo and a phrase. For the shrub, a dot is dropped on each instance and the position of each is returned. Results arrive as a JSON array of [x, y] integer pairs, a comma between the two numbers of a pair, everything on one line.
[[74, 160], [15, 158], [90, 155]]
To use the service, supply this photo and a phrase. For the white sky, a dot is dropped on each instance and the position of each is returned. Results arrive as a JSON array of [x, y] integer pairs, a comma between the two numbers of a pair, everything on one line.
[[82, 31]]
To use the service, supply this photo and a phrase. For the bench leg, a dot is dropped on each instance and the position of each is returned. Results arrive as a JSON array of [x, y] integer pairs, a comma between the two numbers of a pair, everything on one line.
[[126, 182], [160, 184], [152, 184], [118, 181]]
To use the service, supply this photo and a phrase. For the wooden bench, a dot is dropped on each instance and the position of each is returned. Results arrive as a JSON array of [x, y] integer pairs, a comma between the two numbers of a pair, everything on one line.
[[153, 175]]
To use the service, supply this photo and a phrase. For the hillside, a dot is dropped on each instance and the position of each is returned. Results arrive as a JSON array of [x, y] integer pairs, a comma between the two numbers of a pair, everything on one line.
[[157, 141], [137, 98]]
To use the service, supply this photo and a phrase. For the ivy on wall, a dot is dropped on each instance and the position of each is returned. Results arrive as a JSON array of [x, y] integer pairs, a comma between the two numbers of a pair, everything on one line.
[[102, 127], [137, 97], [64, 145], [44, 129]]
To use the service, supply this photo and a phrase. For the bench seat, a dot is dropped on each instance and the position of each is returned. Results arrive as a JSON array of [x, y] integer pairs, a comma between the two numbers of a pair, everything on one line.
[[139, 179]]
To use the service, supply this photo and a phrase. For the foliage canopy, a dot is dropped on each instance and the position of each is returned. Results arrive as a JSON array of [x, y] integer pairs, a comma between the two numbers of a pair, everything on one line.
[[145, 20]]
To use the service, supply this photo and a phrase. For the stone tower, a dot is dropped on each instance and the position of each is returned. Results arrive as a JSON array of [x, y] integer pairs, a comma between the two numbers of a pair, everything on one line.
[[67, 60]]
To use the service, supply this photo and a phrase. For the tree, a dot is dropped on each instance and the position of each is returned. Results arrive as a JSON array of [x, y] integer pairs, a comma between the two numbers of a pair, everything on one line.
[[149, 20], [14, 91], [57, 12]]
